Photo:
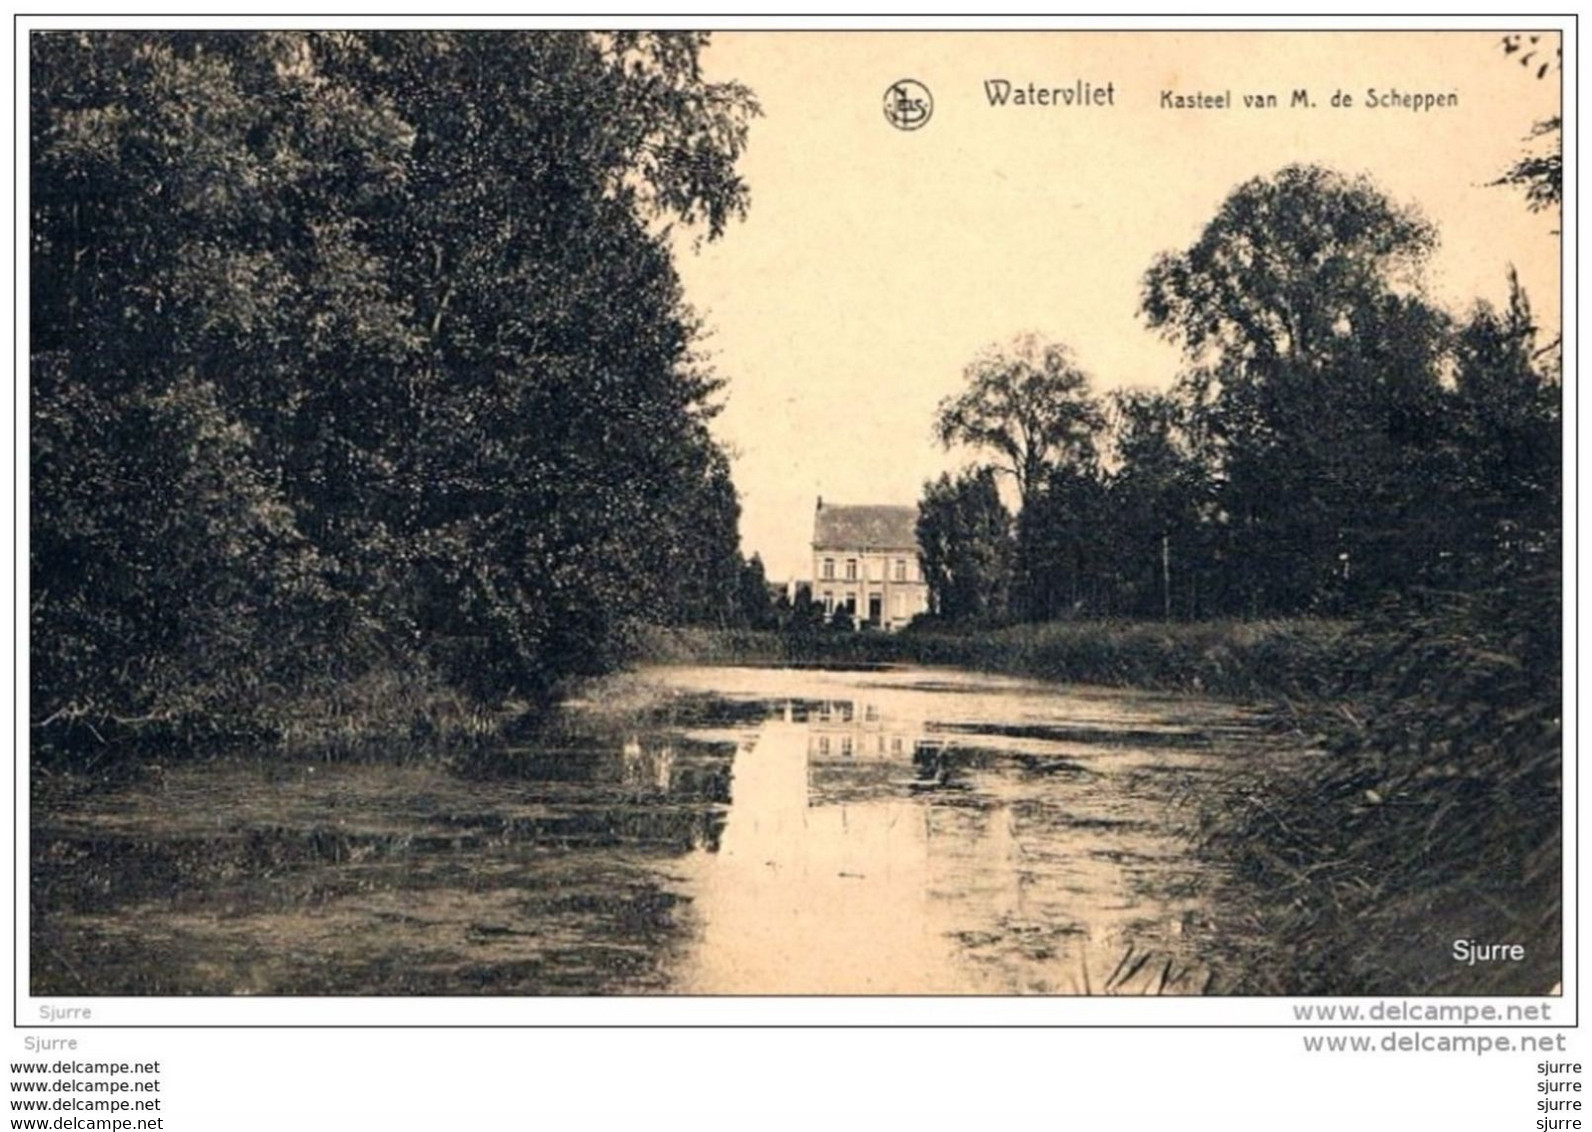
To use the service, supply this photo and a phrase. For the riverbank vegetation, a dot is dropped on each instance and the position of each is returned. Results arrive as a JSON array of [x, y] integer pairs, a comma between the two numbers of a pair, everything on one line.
[[1259, 659], [1428, 810], [364, 395]]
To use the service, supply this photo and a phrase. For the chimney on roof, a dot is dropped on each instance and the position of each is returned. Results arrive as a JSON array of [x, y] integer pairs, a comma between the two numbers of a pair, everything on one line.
[[820, 503]]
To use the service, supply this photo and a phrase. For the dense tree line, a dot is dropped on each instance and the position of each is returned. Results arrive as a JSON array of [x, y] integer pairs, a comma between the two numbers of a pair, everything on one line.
[[361, 348], [1334, 438]]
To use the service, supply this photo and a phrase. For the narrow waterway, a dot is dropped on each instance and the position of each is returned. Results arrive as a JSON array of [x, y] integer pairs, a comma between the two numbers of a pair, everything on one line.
[[687, 830]]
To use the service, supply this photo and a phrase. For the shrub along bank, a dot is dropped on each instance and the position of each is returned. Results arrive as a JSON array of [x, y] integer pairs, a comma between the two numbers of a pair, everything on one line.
[[1284, 659], [1431, 815]]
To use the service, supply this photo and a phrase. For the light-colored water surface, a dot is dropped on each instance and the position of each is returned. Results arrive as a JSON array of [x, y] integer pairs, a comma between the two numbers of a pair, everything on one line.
[[687, 830]]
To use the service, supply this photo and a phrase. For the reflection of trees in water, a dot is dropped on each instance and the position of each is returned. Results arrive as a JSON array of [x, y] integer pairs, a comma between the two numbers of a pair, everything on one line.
[[644, 767], [939, 766], [635, 784]]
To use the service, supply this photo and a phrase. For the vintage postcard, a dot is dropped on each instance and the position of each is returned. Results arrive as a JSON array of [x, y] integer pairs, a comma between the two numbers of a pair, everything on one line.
[[1055, 514]]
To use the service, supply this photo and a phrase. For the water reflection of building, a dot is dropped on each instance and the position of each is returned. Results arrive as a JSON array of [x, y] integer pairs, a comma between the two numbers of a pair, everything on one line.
[[867, 851], [851, 729], [683, 785], [644, 768], [808, 897]]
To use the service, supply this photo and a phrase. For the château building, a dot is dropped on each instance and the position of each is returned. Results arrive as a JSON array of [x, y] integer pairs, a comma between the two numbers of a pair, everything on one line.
[[865, 560]]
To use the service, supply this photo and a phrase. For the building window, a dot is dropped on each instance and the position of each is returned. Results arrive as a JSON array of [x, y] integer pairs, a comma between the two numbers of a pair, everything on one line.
[[851, 569], [845, 746], [823, 745], [901, 570], [829, 568], [829, 602]]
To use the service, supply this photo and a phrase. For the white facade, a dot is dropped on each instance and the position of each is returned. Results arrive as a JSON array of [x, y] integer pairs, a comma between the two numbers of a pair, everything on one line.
[[865, 559]]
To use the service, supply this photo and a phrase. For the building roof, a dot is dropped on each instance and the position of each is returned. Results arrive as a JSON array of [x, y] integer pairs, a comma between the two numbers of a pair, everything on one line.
[[865, 528]]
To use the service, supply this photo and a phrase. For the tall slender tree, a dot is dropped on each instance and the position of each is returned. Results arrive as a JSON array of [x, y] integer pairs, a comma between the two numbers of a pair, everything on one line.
[[965, 541], [1029, 405]]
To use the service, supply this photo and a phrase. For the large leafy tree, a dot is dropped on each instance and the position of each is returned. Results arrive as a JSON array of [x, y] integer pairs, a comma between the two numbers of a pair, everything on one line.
[[1315, 368], [563, 476], [373, 337], [1029, 405], [195, 271], [1287, 271]]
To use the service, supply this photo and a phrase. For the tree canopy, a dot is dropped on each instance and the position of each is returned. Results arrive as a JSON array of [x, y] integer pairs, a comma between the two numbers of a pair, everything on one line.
[[1316, 373], [1029, 404], [1289, 268], [355, 345]]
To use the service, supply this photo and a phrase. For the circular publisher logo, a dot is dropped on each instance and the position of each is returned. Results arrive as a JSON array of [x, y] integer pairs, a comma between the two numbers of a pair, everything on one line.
[[908, 105]]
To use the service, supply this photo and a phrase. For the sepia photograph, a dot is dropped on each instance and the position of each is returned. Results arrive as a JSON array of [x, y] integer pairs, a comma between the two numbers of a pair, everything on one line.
[[666, 513]]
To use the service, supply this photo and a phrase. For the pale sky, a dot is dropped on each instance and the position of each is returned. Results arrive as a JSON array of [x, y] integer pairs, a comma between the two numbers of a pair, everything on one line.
[[874, 262]]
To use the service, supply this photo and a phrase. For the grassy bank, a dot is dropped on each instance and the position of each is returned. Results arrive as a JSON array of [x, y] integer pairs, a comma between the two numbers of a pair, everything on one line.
[[1430, 812], [393, 713], [1251, 659]]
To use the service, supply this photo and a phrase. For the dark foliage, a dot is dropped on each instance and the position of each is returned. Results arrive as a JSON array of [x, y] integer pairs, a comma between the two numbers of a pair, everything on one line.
[[1334, 440], [1432, 813], [361, 349], [965, 541], [1029, 405], [1539, 173]]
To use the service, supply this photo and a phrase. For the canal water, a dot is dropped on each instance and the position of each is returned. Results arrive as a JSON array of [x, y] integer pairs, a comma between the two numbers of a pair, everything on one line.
[[685, 831]]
